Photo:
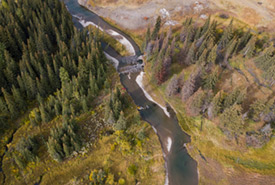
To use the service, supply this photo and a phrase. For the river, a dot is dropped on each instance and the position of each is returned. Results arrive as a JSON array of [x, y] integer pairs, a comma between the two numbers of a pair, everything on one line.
[[180, 168]]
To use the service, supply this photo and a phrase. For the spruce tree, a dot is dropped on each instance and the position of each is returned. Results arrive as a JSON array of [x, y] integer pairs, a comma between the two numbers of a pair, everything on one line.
[[147, 37], [256, 109], [10, 103], [18, 98], [232, 118], [121, 123], [190, 59], [156, 29], [189, 88], [173, 86], [210, 80], [248, 50], [212, 55]]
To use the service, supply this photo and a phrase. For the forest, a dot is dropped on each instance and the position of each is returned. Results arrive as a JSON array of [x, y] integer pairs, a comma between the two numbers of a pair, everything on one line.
[[60, 99], [66, 118], [213, 52]]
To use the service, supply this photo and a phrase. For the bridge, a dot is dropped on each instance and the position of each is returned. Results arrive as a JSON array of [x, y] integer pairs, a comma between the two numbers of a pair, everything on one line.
[[131, 64]]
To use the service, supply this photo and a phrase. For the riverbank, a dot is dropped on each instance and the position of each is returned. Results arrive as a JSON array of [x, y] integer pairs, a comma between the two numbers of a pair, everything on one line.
[[220, 161]]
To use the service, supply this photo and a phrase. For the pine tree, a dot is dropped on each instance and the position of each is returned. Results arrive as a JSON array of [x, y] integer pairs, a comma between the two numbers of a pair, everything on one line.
[[256, 109], [64, 76], [206, 25], [121, 123], [111, 118], [173, 45], [197, 102], [236, 96], [156, 29], [3, 106], [173, 86], [248, 50], [10, 103], [147, 37], [44, 114], [189, 88], [37, 115], [84, 105], [160, 72], [217, 104], [227, 36], [202, 58], [66, 149], [212, 55], [51, 145], [230, 49], [117, 108], [210, 80], [190, 59], [18, 98], [232, 118], [19, 161]]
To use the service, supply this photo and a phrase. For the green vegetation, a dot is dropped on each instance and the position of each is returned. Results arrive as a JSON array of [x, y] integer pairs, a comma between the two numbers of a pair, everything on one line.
[[228, 109], [60, 118], [209, 51]]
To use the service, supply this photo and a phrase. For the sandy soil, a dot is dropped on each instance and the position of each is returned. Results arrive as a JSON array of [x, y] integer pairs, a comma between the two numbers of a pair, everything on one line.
[[137, 14]]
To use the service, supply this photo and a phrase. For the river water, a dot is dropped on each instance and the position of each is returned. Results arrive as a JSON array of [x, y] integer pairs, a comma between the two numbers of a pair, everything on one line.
[[181, 169]]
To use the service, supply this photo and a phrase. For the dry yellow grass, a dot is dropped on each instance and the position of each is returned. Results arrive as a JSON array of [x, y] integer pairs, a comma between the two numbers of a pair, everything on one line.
[[103, 153]]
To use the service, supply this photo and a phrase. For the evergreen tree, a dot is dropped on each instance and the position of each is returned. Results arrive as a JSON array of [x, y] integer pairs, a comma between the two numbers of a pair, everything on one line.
[[189, 88], [210, 80], [84, 105], [202, 58], [10, 103], [64, 76], [212, 55], [117, 109], [66, 149], [121, 123], [217, 104], [147, 37], [190, 59], [236, 96], [248, 50], [232, 118], [44, 114], [18, 98], [3, 106], [51, 144], [256, 109], [227, 36], [173, 86], [156, 29]]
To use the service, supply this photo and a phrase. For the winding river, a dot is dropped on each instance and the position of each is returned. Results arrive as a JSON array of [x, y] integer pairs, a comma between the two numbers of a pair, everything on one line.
[[181, 169]]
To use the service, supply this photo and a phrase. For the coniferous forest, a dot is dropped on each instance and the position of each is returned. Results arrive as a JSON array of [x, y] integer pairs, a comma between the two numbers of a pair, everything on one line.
[[47, 64], [57, 103], [213, 52], [65, 117], [44, 56]]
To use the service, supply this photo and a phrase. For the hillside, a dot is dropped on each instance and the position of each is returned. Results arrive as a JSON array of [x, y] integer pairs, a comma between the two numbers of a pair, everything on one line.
[[64, 116], [220, 81]]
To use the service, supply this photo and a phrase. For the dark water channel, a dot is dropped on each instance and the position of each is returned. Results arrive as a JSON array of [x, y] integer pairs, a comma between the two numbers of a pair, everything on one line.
[[181, 169]]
